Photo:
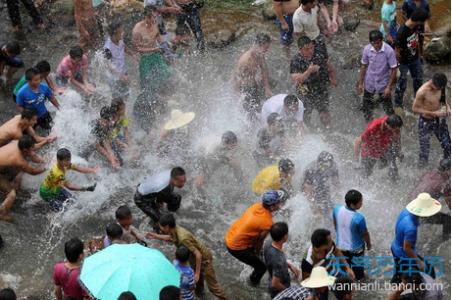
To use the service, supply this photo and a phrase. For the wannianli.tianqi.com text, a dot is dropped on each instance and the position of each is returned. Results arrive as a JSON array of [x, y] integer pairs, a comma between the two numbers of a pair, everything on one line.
[[386, 286]]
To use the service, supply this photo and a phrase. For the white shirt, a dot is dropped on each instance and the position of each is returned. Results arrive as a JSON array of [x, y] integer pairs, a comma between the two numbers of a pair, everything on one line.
[[155, 183], [304, 22], [118, 56], [275, 104]]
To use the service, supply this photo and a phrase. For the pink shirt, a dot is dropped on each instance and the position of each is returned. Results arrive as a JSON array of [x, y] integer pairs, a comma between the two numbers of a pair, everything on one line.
[[68, 281], [68, 68]]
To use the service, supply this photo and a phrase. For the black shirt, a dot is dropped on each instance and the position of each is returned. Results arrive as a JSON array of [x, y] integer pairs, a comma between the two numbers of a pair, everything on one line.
[[277, 266], [408, 41], [316, 81], [101, 132]]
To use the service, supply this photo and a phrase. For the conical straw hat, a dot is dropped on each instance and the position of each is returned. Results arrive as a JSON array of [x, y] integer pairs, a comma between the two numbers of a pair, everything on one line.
[[178, 119], [424, 205], [319, 278]]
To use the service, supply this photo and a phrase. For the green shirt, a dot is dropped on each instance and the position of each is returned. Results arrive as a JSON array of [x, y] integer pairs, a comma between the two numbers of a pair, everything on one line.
[[183, 237], [22, 81]]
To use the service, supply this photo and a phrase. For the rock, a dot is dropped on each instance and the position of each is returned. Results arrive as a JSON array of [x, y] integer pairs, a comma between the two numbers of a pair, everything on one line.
[[220, 38], [352, 61], [268, 13], [438, 49], [351, 22], [63, 11]]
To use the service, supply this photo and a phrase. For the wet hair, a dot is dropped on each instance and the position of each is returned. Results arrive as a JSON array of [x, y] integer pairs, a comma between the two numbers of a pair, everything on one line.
[[444, 165], [290, 100], [394, 121], [28, 113], [76, 52], [286, 165], [167, 220], [43, 66], [169, 292], [303, 41], [262, 39], [114, 231], [278, 231], [26, 142], [182, 254], [31, 73], [320, 237], [342, 287], [116, 103], [113, 27], [375, 35], [63, 154], [273, 118], [419, 15], [177, 171], [123, 212], [7, 294], [127, 296], [353, 197], [73, 249], [439, 80], [149, 10], [13, 48], [304, 2], [106, 113], [229, 138]]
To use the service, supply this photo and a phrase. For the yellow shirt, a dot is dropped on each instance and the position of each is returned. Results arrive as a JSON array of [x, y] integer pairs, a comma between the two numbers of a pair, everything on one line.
[[122, 123], [55, 179], [267, 179]]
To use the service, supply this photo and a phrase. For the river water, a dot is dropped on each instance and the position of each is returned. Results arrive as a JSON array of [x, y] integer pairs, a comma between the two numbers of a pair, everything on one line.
[[35, 241]]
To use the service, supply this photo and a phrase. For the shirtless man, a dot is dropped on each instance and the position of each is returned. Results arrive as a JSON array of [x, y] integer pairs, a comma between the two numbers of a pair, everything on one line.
[[12, 163], [284, 10], [431, 105], [245, 73], [154, 71], [14, 129]]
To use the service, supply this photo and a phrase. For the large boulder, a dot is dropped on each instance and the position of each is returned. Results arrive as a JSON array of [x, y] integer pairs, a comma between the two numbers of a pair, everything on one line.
[[220, 38], [437, 50]]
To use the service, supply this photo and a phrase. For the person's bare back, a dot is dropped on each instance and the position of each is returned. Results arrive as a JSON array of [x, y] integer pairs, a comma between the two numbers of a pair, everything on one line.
[[289, 7], [247, 68], [11, 130]]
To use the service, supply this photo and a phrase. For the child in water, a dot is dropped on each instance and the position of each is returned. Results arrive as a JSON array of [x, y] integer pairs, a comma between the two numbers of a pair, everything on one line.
[[54, 187]]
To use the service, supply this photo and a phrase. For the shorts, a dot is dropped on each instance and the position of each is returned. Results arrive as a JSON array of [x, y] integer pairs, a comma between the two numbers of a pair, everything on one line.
[[62, 81], [64, 198], [45, 122], [286, 37], [318, 101], [13, 62]]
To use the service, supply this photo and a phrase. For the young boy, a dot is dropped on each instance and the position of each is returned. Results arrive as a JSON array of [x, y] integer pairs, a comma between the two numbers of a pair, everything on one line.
[[66, 274], [102, 132], [187, 276], [53, 187], [33, 95], [9, 56], [388, 25], [73, 68], [44, 71], [129, 233], [114, 235], [120, 133], [200, 256], [115, 51]]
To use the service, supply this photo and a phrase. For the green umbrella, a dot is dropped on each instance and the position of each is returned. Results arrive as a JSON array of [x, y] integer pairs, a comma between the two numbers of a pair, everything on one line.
[[119, 268]]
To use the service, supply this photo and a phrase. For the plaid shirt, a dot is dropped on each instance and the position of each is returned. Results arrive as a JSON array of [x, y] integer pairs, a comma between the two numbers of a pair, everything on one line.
[[294, 292]]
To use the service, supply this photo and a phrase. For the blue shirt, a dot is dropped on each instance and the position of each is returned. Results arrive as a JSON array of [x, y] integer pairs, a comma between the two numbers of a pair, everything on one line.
[[27, 98], [406, 230], [187, 280], [350, 228]]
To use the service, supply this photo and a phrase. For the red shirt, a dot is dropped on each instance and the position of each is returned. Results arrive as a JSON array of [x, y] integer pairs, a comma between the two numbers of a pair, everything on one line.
[[377, 138], [68, 68], [68, 280]]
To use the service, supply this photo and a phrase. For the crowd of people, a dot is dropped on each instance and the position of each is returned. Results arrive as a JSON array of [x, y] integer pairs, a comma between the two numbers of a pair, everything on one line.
[[333, 259]]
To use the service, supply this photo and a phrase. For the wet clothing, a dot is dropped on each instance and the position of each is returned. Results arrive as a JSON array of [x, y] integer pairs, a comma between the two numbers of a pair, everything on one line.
[[369, 104], [427, 127], [28, 98], [277, 266], [252, 259], [405, 230], [294, 292], [286, 36], [11, 61], [187, 280], [267, 179], [68, 280], [321, 180], [155, 191], [182, 237], [305, 23], [116, 54], [379, 65], [190, 15], [14, 12], [101, 132], [154, 72], [269, 147], [253, 95], [388, 16], [22, 81], [68, 68], [275, 104], [120, 125], [53, 183], [377, 139], [409, 42], [221, 156]]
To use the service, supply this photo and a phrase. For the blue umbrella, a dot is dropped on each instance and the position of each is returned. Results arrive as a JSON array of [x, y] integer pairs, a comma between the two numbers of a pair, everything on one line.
[[119, 268]]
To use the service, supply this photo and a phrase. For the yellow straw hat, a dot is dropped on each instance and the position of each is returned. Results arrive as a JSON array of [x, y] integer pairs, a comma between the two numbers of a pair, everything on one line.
[[424, 206], [178, 119]]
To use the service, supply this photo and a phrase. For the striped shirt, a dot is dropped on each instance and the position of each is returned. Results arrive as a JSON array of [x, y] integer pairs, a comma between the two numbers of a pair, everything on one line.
[[187, 280], [350, 228], [294, 292]]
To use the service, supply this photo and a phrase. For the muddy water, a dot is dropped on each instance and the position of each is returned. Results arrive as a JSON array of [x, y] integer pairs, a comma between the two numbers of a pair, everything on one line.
[[34, 242]]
